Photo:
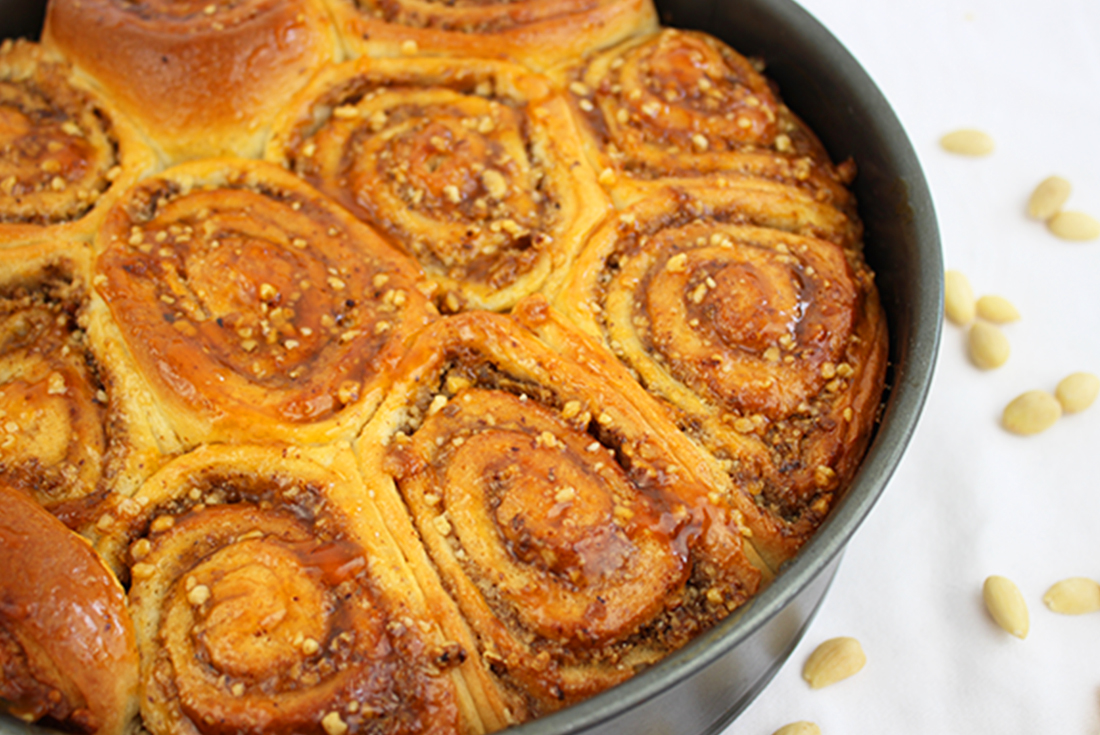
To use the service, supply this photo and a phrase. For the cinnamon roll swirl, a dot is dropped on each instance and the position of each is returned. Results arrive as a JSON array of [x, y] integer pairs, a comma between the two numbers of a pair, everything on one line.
[[538, 33], [769, 347], [564, 518], [68, 436], [471, 166], [200, 77], [682, 104], [68, 657], [252, 306], [64, 152], [268, 597]]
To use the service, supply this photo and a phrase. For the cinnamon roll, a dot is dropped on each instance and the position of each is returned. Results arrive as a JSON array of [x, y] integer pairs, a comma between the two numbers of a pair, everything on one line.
[[69, 438], [769, 346], [538, 33], [471, 166], [565, 518], [64, 152], [682, 104], [269, 597], [68, 657], [252, 306], [200, 77]]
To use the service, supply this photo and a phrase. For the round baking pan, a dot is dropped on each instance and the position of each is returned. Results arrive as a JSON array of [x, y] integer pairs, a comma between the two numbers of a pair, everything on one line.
[[703, 687]]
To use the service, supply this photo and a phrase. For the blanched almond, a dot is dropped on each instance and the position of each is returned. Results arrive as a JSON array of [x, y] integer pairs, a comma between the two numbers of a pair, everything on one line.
[[1077, 391], [1048, 198], [1031, 412], [1073, 596], [968, 142], [997, 309], [959, 302], [832, 661], [802, 727], [1005, 603], [1074, 226], [989, 346]]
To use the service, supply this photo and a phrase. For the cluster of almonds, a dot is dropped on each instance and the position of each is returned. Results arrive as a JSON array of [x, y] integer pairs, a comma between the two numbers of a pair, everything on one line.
[[1006, 604], [834, 660]]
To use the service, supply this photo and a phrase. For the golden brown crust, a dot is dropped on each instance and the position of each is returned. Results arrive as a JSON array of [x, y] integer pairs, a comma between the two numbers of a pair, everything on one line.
[[67, 651], [252, 306], [268, 597], [65, 154], [472, 166], [537, 33], [200, 78], [68, 436], [768, 345], [566, 521]]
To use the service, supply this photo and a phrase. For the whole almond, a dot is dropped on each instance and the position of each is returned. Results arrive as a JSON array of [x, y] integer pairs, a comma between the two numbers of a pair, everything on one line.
[[1005, 603], [997, 309], [1077, 391], [1048, 198], [834, 660], [802, 727], [1074, 226], [988, 345], [968, 142], [1031, 412], [1074, 596], [959, 302]]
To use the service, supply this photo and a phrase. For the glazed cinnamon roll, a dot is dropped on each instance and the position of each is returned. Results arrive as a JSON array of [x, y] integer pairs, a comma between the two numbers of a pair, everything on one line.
[[64, 153], [538, 33], [68, 657], [678, 104], [564, 517], [200, 77], [268, 597], [252, 306], [68, 436], [473, 167], [769, 347]]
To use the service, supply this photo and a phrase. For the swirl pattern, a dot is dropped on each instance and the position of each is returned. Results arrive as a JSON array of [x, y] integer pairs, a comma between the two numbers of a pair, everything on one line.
[[571, 538], [534, 32], [253, 306], [61, 150], [770, 343], [678, 104], [473, 168], [267, 599]]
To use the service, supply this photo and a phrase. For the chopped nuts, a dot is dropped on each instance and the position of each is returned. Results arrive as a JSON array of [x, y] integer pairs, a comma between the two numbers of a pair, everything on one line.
[[1073, 596], [832, 661], [1005, 603]]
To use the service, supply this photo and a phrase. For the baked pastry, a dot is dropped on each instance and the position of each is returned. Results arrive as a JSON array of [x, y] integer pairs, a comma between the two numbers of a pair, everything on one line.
[[253, 307], [471, 166], [565, 520], [268, 596], [538, 33], [65, 154], [67, 651], [199, 78], [766, 342], [68, 436], [538, 342]]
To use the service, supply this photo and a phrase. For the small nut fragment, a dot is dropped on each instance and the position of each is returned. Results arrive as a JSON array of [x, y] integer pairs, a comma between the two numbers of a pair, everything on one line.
[[997, 309], [802, 727], [989, 346], [1074, 226], [1073, 596], [1048, 198], [1077, 391], [968, 142], [1005, 603], [959, 302], [1031, 412], [832, 661]]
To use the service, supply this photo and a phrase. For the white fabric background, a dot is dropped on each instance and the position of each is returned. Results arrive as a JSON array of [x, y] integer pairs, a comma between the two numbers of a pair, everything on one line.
[[970, 499]]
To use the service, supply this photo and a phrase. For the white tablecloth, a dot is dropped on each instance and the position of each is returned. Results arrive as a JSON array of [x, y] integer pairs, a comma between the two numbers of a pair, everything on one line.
[[969, 499]]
